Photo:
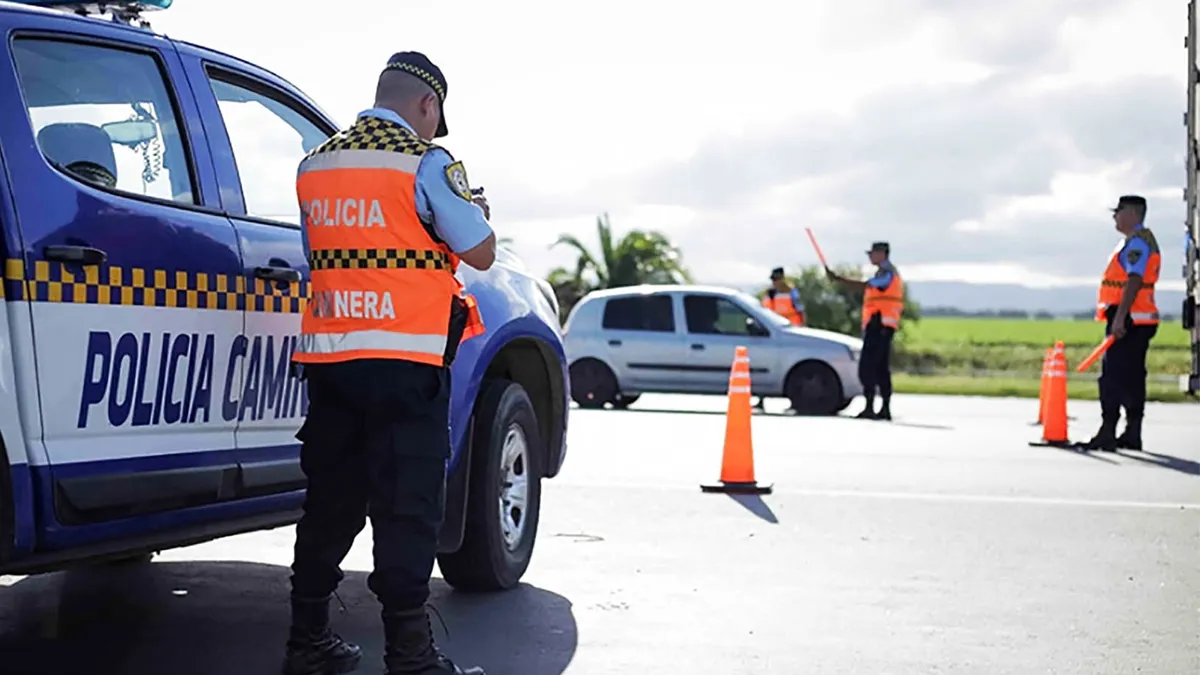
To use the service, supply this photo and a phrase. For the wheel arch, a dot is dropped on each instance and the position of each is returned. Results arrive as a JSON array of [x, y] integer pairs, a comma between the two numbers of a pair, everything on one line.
[[531, 363]]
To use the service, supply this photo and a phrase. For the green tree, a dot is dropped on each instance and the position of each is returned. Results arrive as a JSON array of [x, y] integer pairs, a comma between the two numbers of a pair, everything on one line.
[[831, 306], [639, 257]]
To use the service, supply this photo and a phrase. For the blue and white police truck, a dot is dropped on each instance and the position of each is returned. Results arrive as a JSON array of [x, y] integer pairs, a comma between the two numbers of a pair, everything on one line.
[[154, 279]]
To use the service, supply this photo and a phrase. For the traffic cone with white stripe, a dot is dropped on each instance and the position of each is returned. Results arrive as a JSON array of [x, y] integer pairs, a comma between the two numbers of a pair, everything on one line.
[[1054, 429], [737, 463], [1044, 391]]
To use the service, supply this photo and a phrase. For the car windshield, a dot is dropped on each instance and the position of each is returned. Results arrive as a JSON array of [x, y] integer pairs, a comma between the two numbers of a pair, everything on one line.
[[754, 306]]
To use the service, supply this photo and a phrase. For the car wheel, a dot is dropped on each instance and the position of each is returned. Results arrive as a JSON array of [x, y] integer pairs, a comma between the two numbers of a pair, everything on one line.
[[623, 401], [505, 494], [592, 383], [814, 389], [845, 404]]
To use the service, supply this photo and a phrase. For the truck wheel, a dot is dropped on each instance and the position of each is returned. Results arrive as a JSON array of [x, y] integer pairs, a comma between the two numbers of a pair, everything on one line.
[[505, 493]]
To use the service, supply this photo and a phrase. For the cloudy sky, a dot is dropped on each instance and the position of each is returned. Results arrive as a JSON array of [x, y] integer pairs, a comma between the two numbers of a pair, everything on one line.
[[984, 140]]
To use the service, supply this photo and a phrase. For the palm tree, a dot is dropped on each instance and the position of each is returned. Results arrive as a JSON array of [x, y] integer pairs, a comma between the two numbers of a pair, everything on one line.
[[637, 258]]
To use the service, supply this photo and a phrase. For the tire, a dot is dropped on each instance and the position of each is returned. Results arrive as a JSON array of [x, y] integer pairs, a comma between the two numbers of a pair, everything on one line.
[[490, 560], [592, 384], [623, 401], [814, 389], [845, 404]]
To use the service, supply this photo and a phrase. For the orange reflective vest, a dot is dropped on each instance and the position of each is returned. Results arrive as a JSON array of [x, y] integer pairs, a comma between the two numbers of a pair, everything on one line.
[[382, 286], [782, 305], [1144, 310], [888, 303]]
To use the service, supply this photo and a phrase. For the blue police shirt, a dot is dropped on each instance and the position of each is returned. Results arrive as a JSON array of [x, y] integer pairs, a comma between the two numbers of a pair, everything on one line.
[[883, 276], [460, 223], [796, 300], [1135, 254]]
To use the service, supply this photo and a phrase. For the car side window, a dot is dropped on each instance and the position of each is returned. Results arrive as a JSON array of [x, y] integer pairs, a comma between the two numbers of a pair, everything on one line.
[[647, 313], [269, 138], [104, 116], [714, 315]]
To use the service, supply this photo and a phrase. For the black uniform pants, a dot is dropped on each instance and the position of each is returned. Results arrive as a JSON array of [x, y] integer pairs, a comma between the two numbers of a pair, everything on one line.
[[375, 444], [875, 362], [1123, 371]]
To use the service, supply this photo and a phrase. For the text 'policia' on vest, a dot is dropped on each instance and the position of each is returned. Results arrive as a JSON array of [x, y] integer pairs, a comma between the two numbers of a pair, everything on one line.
[[383, 283], [1144, 310]]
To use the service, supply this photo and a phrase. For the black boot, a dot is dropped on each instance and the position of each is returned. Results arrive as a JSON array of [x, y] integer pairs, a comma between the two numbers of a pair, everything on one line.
[[410, 649], [312, 647], [885, 413], [1132, 438], [1105, 439], [868, 412]]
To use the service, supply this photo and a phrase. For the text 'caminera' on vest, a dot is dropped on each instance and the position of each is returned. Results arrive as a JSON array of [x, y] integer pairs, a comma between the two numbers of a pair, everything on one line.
[[334, 304]]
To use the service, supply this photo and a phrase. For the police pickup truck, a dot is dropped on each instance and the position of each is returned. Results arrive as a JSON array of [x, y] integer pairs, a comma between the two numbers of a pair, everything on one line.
[[154, 279]]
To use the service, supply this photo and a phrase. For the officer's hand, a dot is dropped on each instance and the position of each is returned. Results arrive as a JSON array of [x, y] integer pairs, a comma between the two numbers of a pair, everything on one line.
[[1118, 329], [482, 203]]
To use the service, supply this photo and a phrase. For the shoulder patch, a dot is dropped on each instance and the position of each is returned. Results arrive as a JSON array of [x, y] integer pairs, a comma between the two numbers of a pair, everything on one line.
[[456, 175], [1133, 255]]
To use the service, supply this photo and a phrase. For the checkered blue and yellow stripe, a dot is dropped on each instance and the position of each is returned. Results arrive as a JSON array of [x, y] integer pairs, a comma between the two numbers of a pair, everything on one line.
[[140, 287]]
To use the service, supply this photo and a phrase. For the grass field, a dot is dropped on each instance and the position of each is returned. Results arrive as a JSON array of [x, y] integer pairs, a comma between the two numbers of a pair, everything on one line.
[[951, 355]]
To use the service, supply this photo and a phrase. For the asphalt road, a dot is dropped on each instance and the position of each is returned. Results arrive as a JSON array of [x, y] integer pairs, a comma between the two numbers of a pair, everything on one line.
[[940, 543]]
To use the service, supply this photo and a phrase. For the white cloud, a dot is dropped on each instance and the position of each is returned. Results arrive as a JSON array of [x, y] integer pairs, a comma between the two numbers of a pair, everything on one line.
[[984, 140]]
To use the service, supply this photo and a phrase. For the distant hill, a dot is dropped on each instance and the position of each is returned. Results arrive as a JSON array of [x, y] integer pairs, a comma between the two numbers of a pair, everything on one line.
[[984, 297], [971, 298]]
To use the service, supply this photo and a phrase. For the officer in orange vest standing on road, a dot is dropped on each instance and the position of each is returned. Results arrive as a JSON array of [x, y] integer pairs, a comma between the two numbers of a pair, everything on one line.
[[883, 303], [388, 215], [1126, 305], [784, 299]]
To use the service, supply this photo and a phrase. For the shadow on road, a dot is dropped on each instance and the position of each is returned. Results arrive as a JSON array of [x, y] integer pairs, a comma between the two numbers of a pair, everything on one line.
[[1074, 450], [231, 618], [1165, 461], [897, 423], [755, 504]]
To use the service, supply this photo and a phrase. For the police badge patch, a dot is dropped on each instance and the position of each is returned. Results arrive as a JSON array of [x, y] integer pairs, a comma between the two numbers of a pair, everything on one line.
[[1133, 256], [456, 175]]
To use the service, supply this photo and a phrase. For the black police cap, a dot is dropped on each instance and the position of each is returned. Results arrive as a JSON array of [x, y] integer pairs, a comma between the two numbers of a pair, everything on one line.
[[777, 273], [418, 65], [880, 246], [1129, 200]]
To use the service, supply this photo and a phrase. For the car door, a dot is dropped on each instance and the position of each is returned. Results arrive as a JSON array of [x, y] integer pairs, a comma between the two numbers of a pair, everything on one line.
[[131, 271], [715, 326], [262, 133], [641, 340]]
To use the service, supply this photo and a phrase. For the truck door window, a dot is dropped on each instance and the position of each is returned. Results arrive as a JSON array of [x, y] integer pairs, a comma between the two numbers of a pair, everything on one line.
[[104, 116], [269, 139]]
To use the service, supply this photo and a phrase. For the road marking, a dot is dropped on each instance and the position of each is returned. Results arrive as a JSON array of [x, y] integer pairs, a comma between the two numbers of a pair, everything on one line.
[[919, 496]]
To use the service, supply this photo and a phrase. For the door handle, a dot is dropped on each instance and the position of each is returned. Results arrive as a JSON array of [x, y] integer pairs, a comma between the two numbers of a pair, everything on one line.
[[698, 347], [278, 274], [81, 255], [614, 343]]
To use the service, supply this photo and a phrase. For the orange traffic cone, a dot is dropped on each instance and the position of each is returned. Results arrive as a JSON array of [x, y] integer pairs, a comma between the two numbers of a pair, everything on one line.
[[1054, 429], [737, 463], [1045, 386]]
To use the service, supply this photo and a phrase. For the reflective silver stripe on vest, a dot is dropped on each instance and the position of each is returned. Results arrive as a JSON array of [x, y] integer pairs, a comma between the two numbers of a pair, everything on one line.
[[1144, 316], [360, 159], [375, 340]]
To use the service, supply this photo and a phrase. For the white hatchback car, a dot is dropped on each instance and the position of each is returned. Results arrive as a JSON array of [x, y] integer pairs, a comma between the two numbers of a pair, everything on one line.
[[681, 339]]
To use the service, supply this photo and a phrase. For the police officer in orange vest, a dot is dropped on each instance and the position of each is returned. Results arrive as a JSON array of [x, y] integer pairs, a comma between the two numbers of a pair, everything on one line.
[[783, 299], [388, 216], [883, 303], [1126, 304]]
